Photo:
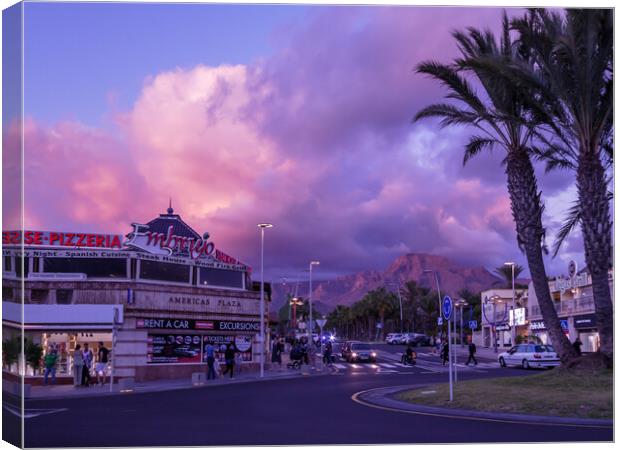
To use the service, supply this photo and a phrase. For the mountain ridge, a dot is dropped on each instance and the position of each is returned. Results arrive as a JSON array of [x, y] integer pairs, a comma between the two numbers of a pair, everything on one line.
[[347, 289]]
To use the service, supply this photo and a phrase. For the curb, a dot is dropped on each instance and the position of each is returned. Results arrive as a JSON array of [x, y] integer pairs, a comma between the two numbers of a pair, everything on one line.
[[147, 390], [384, 398]]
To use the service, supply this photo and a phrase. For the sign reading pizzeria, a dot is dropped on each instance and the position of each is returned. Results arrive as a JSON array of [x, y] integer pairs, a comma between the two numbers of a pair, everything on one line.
[[191, 324], [62, 239]]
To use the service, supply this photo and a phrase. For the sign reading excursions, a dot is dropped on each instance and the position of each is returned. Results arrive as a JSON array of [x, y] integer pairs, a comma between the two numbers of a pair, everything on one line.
[[191, 324]]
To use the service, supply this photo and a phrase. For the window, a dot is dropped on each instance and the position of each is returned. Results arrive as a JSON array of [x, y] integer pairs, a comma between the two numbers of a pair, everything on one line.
[[92, 267], [35, 264], [7, 293], [161, 271], [39, 296], [18, 266], [7, 264], [64, 296], [221, 277]]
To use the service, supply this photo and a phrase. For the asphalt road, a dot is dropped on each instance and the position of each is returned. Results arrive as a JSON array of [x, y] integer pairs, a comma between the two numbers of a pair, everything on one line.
[[304, 410]]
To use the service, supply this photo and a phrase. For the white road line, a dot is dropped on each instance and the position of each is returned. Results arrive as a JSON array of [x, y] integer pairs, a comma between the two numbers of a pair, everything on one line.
[[389, 366], [30, 413], [339, 366]]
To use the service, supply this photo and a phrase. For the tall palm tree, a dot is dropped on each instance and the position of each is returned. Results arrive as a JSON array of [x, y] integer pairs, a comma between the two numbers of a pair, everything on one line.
[[499, 120], [505, 272], [572, 86]]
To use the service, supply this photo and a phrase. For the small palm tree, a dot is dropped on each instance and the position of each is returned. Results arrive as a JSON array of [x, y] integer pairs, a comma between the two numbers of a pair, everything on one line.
[[500, 121], [571, 86], [505, 272]]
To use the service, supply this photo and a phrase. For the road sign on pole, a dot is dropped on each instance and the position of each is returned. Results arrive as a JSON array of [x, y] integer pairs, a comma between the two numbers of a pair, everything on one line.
[[447, 307], [473, 324], [439, 321]]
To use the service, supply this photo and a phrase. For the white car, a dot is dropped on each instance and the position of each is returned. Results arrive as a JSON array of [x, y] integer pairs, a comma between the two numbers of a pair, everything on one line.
[[394, 338], [530, 355]]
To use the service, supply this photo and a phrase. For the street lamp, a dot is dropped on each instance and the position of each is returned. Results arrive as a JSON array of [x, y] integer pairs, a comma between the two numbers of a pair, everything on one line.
[[295, 302], [262, 227], [512, 325], [310, 323], [461, 303], [438, 293], [495, 300]]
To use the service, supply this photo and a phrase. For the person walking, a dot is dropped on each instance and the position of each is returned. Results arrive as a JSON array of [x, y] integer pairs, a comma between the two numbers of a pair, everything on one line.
[[577, 345], [102, 362], [229, 357], [88, 362], [78, 366], [445, 353], [50, 365], [210, 352], [276, 352], [472, 354]]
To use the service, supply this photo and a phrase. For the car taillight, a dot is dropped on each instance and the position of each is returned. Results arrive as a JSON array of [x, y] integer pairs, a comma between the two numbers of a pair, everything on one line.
[[537, 356]]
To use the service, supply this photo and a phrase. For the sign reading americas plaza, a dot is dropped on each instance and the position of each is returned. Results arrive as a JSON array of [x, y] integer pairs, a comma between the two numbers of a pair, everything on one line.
[[195, 303]]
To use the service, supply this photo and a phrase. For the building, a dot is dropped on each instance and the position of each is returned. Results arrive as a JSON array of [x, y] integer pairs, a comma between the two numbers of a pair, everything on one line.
[[574, 303], [156, 297], [500, 316]]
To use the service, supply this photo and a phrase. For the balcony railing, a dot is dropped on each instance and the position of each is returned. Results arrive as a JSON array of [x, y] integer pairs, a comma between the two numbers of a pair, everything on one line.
[[576, 305]]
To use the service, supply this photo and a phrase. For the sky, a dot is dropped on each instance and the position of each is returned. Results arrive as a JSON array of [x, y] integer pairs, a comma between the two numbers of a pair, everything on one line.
[[297, 115]]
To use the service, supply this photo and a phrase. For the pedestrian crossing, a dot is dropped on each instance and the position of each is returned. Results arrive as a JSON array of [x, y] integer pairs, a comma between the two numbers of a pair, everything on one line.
[[425, 364]]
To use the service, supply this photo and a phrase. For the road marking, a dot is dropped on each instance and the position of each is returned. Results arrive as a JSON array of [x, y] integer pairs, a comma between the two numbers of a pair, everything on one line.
[[339, 366], [30, 413], [389, 366], [355, 398]]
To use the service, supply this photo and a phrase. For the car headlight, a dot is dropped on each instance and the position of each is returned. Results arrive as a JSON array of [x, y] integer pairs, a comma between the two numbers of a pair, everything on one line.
[[373, 354], [354, 354]]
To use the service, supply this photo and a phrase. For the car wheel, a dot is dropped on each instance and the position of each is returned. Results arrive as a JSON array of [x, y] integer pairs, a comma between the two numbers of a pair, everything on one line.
[[502, 362], [525, 364]]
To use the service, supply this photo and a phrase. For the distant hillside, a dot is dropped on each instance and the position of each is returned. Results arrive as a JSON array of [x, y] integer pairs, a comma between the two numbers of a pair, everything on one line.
[[348, 289]]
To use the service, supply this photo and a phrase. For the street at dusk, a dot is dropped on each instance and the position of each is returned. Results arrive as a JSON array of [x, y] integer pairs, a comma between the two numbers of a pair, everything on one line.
[[299, 224]]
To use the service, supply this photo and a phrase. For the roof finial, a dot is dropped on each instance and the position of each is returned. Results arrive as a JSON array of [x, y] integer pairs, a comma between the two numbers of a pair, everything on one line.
[[170, 210]]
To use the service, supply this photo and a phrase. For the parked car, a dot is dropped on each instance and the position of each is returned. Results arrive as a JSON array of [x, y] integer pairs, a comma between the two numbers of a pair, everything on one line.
[[530, 355], [358, 351], [420, 340], [394, 338]]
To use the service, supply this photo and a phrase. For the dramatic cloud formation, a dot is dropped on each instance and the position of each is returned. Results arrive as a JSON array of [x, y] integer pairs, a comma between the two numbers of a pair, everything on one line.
[[316, 138]]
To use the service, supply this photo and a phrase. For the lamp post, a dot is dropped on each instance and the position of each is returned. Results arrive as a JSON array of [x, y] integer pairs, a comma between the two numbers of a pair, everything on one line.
[[262, 227], [461, 303], [295, 302], [512, 325], [494, 301], [310, 322], [438, 294]]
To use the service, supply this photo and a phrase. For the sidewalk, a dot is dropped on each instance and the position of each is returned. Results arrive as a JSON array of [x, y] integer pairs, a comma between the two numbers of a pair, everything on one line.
[[69, 391]]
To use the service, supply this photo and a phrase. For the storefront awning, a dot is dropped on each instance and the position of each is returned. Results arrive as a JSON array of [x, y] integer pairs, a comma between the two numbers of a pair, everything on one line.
[[62, 316]]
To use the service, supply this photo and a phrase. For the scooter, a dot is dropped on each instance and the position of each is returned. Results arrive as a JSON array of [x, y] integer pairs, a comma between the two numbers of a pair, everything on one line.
[[408, 360]]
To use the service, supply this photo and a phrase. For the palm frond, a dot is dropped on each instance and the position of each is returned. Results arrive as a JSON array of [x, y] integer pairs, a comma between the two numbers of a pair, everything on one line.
[[476, 145], [571, 220]]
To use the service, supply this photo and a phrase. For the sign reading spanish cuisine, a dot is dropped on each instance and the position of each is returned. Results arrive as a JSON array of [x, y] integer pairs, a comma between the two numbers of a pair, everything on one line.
[[62, 239], [191, 324]]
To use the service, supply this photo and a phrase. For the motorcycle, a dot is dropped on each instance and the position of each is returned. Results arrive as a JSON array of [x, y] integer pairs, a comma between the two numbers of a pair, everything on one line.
[[408, 360]]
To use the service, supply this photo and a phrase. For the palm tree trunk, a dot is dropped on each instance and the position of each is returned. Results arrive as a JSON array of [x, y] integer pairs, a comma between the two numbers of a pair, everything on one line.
[[527, 213], [596, 229]]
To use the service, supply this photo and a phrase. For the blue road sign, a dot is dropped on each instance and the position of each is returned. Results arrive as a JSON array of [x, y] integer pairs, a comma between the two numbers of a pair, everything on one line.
[[439, 321], [447, 307], [473, 324]]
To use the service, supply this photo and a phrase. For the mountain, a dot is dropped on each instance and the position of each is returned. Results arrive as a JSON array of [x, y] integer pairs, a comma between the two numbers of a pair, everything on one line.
[[348, 289]]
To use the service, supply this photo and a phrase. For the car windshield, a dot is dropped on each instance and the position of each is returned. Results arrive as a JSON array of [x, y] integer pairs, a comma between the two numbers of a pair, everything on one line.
[[360, 347], [544, 348]]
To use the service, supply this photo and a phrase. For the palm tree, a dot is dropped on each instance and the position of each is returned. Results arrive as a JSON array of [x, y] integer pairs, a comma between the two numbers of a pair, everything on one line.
[[499, 120], [572, 86], [411, 294], [385, 304], [505, 272]]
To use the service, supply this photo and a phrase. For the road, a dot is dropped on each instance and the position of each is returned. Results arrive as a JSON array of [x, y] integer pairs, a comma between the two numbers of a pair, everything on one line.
[[303, 410]]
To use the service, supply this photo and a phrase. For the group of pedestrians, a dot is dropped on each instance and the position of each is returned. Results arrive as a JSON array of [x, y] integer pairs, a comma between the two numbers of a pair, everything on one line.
[[83, 360], [232, 359]]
